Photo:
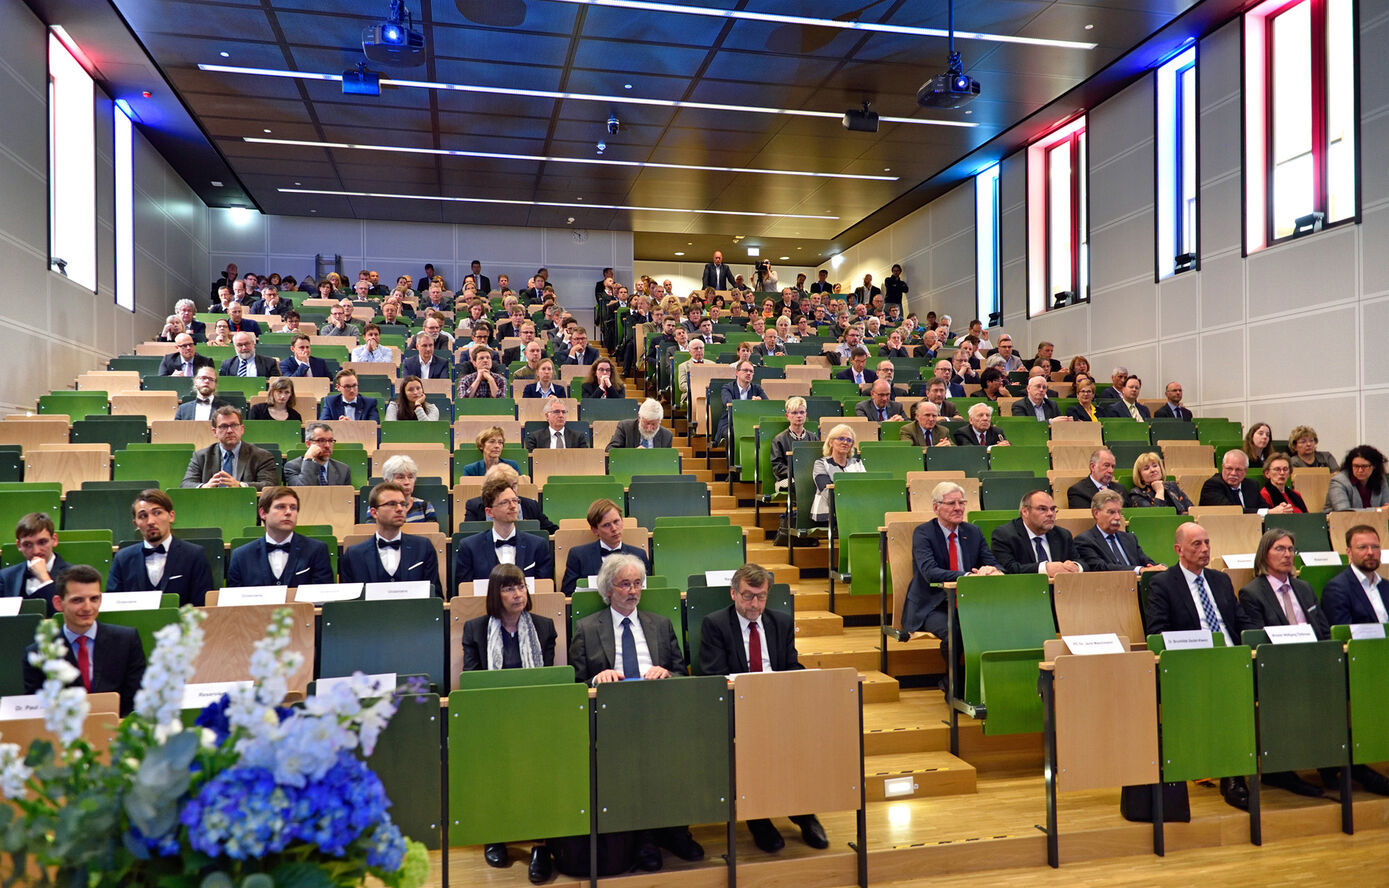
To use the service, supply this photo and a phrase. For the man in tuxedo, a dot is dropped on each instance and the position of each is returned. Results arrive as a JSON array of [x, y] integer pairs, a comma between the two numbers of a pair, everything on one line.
[[317, 468], [605, 520], [161, 561], [347, 403], [1082, 493], [943, 550], [185, 361], [1173, 409], [1107, 546], [742, 388], [746, 637], [246, 362], [716, 274], [557, 434], [282, 557], [33, 576], [1358, 594], [475, 556], [578, 351], [1032, 543], [1037, 405], [1230, 487], [301, 362], [981, 432], [390, 555], [880, 406], [1191, 596], [645, 431], [427, 364], [231, 462], [108, 657], [922, 431], [204, 399], [474, 510], [1127, 406]]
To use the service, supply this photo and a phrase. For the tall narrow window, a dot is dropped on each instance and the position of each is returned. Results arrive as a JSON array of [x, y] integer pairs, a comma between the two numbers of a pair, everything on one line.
[[122, 155], [1176, 164], [71, 166], [1057, 227], [1300, 130], [986, 217]]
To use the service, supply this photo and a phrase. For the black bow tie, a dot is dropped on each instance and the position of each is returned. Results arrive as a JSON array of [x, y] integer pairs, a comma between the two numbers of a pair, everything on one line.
[[151, 551], [606, 551], [277, 547], [387, 544], [352, 404], [511, 542]]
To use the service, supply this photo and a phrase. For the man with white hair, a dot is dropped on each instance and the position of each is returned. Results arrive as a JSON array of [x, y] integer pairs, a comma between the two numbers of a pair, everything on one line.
[[645, 431], [981, 432], [943, 550], [185, 308]]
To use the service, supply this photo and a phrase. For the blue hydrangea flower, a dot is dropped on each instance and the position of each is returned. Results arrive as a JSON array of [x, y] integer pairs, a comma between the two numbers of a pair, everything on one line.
[[334, 811], [387, 849], [240, 814]]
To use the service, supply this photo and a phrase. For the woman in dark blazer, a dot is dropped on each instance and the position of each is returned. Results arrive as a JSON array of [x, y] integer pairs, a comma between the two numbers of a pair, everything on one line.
[[1085, 393], [603, 381], [1277, 487], [1150, 487]]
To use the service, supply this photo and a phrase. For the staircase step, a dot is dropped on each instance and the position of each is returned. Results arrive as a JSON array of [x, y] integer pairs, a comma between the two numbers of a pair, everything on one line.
[[931, 774], [740, 518], [818, 623], [812, 600], [879, 688], [723, 503]]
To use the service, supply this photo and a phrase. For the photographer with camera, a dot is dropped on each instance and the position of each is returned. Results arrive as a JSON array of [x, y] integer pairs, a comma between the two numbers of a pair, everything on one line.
[[766, 277]]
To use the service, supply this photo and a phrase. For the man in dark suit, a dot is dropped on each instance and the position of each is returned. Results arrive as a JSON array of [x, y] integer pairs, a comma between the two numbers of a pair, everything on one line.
[[558, 434], [475, 556], [822, 285], [270, 303], [1191, 596], [1037, 405], [857, 372], [1173, 409], [943, 550], [246, 362], [161, 561], [880, 405], [185, 361], [716, 274], [427, 364], [1107, 546], [1032, 543], [1230, 487], [1082, 493], [1116, 389], [390, 555], [33, 576], [484, 283], [317, 468], [347, 403], [231, 462], [1358, 594], [186, 309], [301, 362], [1043, 356], [644, 431], [108, 657], [1127, 406], [238, 322], [937, 391], [981, 432], [281, 557], [204, 400], [742, 388], [605, 520], [746, 637], [578, 351], [922, 430]]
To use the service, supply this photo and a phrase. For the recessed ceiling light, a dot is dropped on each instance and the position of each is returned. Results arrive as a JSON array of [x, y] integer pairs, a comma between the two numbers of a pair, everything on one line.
[[1089, 27], [679, 252], [783, 258], [969, 112], [296, 183], [313, 211], [578, 198], [887, 169], [224, 54], [754, 252], [216, 184], [265, 130], [689, 243], [626, 86]]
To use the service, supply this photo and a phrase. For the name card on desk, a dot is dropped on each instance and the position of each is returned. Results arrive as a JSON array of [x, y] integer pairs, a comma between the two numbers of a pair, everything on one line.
[[403, 589], [20, 706], [131, 601], [1318, 559], [480, 586], [1290, 634], [719, 577], [1366, 630], [9, 607], [1102, 643], [318, 593], [381, 683], [1186, 640], [240, 596], [1235, 562], [196, 696]]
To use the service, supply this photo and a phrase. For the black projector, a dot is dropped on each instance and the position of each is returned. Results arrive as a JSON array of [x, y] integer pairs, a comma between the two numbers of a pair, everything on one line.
[[864, 121], [948, 90]]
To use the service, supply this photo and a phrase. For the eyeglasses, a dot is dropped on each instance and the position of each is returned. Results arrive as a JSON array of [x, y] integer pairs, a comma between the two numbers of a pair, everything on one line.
[[953, 504], [391, 504], [627, 585], [843, 440], [750, 597], [322, 440], [227, 427]]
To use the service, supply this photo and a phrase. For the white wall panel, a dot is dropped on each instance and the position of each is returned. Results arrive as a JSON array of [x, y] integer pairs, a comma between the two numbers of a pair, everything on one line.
[[1222, 290], [1372, 326], [1273, 343], [1179, 304], [1222, 366], [1297, 275]]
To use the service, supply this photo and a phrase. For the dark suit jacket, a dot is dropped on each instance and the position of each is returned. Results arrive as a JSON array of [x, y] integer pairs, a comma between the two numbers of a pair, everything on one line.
[[720, 277], [540, 438], [186, 572], [1345, 602], [331, 408], [1023, 407], [1259, 606], [1012, 547], [563, 355], [721, 643], [173, 363], [266, 367], [473, 510], [438, 367], [868, 410], [308, 562], [966, 436], [584, 561], [1166, 412], [628, 434], [291, 367], [475, 641], [1170, 607], [255, 467], [12, 580], [247, 325], [299, 474], [118, 664], [1077, 413], [870, 376], [281, 307], [1095, 554], [475, 556], [198, 330], [186, 409], [913, 433], [1079, 495], [1215, 492], [1118, 409], [728, 394], [925, 607], [418, 561], [591, 650], [616, 391], [533, 390]]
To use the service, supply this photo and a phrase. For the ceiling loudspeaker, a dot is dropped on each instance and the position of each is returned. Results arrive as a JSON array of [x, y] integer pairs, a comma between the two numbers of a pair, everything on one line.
[[861, 121]]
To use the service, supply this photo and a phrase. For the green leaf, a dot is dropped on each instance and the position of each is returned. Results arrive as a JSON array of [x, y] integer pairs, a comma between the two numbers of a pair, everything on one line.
[[258, 880], [301, 875], [217, 880]]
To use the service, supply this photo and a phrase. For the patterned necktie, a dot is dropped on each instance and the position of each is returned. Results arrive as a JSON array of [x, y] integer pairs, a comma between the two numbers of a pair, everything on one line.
[[228, 462], [84, 662], [954, 552], [630, 668], [754, 648], [243, 369], [1207, 606], [1290, 608], [323, 475], [1133, 411], [1118, 549], [1042, 557]]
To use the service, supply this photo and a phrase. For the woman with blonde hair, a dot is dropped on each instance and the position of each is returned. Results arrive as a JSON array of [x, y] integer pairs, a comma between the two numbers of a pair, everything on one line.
[[1150, 487], [840, 454]]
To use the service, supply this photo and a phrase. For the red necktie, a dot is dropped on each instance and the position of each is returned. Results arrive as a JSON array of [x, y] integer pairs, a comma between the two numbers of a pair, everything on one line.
[[84, 662], [954, 553], [754, 649]]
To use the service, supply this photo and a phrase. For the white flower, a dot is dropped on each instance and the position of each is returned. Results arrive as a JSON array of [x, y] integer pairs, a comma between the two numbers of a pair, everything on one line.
[[160, 698], [13, 773]]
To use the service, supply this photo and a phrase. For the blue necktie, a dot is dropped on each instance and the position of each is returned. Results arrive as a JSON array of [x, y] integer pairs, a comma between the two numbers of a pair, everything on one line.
[[1207, 606], [242, 370], [323, 475], [1041, 550], [1118, 550], [228, 462], [630, 669]]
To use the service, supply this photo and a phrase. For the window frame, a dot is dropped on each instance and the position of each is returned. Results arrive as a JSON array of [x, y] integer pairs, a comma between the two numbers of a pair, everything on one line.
[[1039, 193], [988, 257], [1170, 173], [68, 187]]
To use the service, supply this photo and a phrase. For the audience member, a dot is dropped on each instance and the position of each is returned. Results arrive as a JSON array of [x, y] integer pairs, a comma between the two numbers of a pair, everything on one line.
[[1173, 409], [645, 431], [185, 360], [239, 323], [1084, 409], [390, 555], [1303, 441], [476, 555], [474, 510], [981, 432], [605, 521], [1151, 487], [482, 382], [602, 381], [35, 536], [1044, 357], [246, 362], [943, 550], [1276, 493], [1127, 406], [372, 351], [1101, 477], [1360, 483], [1107, 546], [231, 462], [339, 317], [1037, 405], [278, 404], [544, 385], [1258, 444], [922, 431], [880, 406], [163, 562], [489, 443], [1230, 487], [742, 388], [557, 435], [1080, 366], [403, 471], [1032, 543], [301, 362], [317, 468], [281, 557], [1358, 594], [204, 399], [839, 454], [347, 404]]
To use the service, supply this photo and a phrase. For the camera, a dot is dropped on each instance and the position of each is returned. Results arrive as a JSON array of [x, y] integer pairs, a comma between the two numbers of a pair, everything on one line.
[[614, 124]]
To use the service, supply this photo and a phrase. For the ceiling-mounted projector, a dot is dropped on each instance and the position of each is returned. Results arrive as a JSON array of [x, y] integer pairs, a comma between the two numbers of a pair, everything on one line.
[[864, 121], [949, 90], [394, 41]]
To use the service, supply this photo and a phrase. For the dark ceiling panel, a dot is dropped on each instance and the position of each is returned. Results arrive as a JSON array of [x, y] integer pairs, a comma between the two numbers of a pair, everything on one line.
[[653, 33]]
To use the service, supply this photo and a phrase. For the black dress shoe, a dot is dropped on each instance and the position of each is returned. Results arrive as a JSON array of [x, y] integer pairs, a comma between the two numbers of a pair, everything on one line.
[[812, 833], [496, 855], [1292, 783], [648, 858], [1372, 780], [1235, 791], [541, 869], [765, 836], [683, 846]]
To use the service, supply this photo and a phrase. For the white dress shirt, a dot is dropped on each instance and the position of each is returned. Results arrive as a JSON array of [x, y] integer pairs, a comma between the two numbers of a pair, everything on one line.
[[762, 634], [1370, 583], [643, 652]]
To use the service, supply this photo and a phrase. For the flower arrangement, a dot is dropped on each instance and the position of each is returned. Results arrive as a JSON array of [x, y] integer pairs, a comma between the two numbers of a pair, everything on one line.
[[255, 795]]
